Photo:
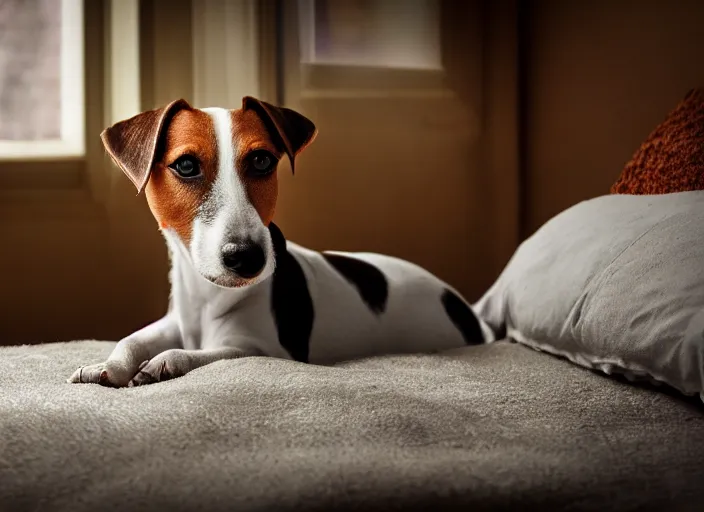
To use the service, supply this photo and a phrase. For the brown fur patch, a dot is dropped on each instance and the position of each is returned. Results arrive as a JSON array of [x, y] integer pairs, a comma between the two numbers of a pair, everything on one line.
[[249, 133], [174, 202]]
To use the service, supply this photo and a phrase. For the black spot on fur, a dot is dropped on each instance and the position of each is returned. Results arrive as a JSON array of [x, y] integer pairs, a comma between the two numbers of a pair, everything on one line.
[[291, 302], [369, 280], [463, 317]]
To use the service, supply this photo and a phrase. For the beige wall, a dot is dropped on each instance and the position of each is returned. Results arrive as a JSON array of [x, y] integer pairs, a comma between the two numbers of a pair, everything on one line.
[[600, 76]]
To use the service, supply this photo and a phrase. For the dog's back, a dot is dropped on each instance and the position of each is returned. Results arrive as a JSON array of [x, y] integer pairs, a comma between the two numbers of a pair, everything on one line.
[[366, 304]]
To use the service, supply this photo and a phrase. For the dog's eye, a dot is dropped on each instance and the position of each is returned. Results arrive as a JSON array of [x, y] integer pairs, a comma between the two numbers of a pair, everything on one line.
[[262, 162], [186, 167]]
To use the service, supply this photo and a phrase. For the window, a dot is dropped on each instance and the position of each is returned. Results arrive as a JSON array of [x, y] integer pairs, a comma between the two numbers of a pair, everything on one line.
[[41, 79], [344, 48], [396, 34]]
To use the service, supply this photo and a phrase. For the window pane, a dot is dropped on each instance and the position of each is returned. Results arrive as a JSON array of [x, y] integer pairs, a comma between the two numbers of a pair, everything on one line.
[[376, 33], [42, 108], [30, 70]]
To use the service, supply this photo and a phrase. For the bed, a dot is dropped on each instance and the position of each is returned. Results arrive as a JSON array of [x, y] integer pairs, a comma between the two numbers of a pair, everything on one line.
[[492, 427]]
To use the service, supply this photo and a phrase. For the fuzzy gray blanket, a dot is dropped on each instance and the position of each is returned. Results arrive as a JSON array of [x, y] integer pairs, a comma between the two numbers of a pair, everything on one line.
[[482, 428]]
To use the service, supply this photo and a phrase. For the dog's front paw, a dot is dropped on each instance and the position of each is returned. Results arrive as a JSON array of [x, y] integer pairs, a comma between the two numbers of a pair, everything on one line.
[[108, 373], [167, 365]]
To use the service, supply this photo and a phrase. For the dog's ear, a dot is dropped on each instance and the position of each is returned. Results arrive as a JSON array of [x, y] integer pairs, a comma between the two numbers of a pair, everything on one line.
[[291, 130], [133, 143]]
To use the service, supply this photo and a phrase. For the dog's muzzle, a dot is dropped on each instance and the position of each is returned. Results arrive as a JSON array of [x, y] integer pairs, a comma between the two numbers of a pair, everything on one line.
[[247, 259]]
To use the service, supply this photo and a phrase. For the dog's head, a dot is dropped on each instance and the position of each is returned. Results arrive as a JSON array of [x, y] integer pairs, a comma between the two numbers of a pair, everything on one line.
[[210, 179]]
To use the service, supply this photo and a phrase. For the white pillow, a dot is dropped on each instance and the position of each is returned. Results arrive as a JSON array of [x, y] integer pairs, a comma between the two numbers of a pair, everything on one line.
[[615, 284]]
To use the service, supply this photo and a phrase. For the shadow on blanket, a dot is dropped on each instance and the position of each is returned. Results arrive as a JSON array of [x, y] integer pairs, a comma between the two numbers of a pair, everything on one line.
[[487, 428]]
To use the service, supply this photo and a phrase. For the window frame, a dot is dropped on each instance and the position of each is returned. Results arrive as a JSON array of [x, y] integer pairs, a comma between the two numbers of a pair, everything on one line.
[[72, 141], [326, 80], [44, 183]]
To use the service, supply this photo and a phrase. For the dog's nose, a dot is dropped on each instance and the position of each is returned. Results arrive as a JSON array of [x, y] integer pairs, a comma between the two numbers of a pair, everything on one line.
[[246, 260]]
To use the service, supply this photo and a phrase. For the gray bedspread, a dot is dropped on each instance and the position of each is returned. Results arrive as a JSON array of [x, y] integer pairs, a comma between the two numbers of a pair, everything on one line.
[[483, 428]]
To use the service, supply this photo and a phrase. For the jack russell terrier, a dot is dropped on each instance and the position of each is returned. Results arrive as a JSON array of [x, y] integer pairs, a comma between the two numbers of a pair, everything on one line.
[[238, 288]]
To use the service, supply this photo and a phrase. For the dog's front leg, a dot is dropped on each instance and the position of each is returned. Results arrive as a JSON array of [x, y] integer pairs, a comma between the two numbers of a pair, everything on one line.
[[178, 362], [127, 356]]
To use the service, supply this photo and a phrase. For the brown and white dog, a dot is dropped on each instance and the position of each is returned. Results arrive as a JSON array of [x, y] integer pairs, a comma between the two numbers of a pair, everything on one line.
[[237, 287]]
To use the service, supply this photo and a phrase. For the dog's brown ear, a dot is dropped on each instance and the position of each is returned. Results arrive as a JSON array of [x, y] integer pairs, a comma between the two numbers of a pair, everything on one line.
[[291, 130], [132, 144]]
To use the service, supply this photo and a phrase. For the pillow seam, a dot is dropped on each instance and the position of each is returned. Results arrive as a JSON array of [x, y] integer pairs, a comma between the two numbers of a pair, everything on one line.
[[586, 360]]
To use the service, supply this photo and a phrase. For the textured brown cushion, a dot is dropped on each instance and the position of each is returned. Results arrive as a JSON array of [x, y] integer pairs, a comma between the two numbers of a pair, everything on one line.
[[672, 157]]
